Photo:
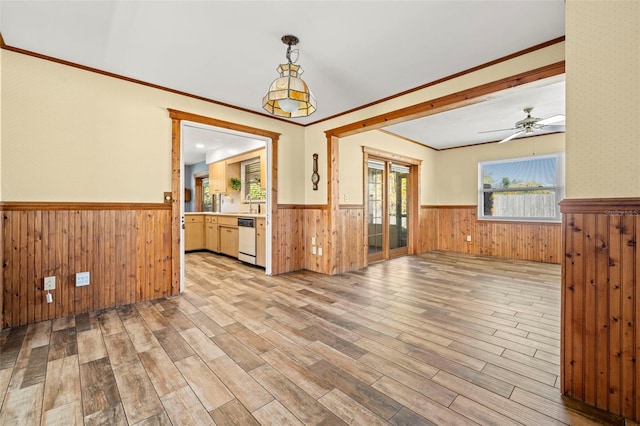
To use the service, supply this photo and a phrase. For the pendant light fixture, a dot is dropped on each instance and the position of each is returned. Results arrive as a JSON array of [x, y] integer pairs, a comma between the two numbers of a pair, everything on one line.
[[289, 95]]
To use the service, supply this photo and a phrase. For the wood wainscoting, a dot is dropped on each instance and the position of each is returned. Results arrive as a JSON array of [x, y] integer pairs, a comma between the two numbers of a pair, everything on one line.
[[300, 223], [125, 247], [601, 304], [446, 228], [287, 238], [352, 247]]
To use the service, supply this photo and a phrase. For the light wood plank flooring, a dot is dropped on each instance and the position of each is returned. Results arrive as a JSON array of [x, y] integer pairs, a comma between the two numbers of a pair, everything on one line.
[[432, 339]]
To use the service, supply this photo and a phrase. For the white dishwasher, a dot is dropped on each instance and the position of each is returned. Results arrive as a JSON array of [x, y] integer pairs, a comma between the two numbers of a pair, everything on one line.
[[247, 239]]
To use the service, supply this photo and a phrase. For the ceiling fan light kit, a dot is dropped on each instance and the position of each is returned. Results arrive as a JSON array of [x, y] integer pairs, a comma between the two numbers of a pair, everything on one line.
[[289, 95], [529, 124]]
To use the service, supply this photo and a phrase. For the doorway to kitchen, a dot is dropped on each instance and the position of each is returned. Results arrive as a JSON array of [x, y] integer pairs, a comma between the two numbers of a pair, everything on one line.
[[233, 133]]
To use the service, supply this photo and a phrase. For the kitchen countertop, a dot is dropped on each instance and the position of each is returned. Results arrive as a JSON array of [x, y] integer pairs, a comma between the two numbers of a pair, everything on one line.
[[245, 214]]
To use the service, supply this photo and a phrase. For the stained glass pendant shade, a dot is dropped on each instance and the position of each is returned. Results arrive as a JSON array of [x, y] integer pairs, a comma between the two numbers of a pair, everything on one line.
[[289, 95]]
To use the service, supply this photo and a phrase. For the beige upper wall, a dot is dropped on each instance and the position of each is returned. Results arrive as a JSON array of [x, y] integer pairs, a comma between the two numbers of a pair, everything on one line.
[[73, 135], [458, 168], [603, 99], [352, 164]]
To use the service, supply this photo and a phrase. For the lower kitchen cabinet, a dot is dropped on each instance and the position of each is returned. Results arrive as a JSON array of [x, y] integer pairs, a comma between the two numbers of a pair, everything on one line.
[[261, 242], [194, 232], [229, 240], [211, 234]]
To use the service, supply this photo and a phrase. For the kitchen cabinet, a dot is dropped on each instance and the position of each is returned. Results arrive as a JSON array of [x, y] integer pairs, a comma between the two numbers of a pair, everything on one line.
[[261, 242], [229, 240], [193, 232], [218, 177], [211, 234]]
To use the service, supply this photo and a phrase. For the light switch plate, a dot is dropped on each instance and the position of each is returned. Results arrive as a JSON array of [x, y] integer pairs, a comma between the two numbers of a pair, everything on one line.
[[82, 279], [49, 283]]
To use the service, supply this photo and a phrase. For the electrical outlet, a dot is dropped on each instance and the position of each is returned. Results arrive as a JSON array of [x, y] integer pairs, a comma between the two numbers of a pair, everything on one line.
[[82, 279], [49, 283], [469, 238], [319, 251], [346, 197], [313, 250], [313, 241]]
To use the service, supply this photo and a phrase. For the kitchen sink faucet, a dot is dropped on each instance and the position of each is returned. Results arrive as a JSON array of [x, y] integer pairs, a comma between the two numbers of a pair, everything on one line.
[[248, 198]]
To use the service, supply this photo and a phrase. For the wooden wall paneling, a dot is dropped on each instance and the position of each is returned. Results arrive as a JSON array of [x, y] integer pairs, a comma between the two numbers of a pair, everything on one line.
[[149, 246], [141, 278], [23, 264], [288, 240], [578, 285], [636, 394], [12, 253], [150, 255], [600, 304], [30, 264], [352, 245], [539, 242], [2, 272], [119, 266], [310, 221], [7, 270], [428, 225], [567, 312], [627, 232], [7, 267], [132, 252], [110, 259], [37, 279], [63, 227], [615, 366], [95, 293], [176, 202], [2, 254], [331, 249], [590, 303], [163, 281], [601, 313], [126, 250], [359, 255]]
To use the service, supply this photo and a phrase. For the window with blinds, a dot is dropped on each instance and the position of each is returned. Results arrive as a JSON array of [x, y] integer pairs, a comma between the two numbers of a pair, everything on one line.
[[251, 185]]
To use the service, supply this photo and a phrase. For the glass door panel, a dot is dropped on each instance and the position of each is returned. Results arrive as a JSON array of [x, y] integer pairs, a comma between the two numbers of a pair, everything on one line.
[[398, 224], [376, 210]]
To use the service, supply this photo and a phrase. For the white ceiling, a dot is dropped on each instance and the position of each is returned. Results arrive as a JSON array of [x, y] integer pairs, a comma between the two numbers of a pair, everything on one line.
[[476, 123], [353, 52]]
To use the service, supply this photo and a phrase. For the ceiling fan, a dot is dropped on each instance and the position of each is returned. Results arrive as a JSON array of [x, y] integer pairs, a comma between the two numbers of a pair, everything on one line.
[[530, 124]]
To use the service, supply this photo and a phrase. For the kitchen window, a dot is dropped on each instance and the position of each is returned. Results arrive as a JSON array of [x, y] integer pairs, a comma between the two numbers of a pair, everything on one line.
[[251, 185], [525, 189]]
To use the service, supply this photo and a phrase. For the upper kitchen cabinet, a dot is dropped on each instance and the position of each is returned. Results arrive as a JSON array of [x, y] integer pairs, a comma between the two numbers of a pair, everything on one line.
[[218, 177], [222, 171]]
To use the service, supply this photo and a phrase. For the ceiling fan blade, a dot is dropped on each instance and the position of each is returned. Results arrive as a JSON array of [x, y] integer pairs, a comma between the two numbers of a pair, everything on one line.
[[497, 130], [554, 128], [552, 119], [511, 137]]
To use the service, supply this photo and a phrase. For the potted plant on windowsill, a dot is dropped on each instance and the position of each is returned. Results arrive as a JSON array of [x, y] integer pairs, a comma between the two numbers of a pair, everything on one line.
[[235, 183]]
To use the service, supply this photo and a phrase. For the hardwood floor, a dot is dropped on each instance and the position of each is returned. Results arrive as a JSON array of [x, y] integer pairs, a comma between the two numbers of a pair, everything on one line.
[[431, 339]]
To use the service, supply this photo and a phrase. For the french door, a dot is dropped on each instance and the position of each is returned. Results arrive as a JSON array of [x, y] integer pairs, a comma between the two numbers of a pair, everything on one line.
[[388, 208]]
